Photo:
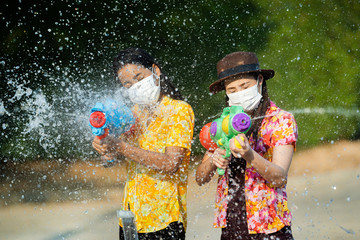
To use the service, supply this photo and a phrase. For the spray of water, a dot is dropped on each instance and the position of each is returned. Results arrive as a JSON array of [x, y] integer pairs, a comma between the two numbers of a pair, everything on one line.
[[2, 109], [329, 111], [58, 123]]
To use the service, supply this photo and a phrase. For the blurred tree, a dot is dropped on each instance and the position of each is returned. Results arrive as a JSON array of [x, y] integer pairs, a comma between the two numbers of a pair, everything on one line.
[[45, 42], [314, 49]]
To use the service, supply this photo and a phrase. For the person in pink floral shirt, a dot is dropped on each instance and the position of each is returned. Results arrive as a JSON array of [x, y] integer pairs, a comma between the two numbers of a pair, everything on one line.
[[251, 199]]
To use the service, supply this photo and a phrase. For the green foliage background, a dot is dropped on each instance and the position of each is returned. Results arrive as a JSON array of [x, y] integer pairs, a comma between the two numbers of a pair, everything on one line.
[[313, 46]]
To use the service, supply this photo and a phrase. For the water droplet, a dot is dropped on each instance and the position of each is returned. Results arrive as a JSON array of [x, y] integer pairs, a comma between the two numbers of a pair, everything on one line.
[[305, 193], [333, 187]]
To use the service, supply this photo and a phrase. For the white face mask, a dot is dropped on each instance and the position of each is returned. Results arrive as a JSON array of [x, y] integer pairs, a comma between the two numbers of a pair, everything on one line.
[[145, 92], [249, 98]]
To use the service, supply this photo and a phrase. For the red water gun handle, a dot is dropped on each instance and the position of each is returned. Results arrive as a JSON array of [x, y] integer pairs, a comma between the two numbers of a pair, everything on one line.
[[104, 135]]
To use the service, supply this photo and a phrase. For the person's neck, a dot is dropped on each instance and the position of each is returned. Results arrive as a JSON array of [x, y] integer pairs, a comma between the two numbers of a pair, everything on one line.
[[250, 113], [151, 108]]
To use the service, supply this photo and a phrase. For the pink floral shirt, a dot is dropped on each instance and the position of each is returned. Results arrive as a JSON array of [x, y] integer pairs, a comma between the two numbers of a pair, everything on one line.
[[266, 206]]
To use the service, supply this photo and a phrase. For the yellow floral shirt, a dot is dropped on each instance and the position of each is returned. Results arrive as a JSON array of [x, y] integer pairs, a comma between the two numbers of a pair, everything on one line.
[[157, 198]]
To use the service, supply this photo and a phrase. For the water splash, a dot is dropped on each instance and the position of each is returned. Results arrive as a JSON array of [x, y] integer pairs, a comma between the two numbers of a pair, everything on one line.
[[329, 110], [20, 92], [353, 112], [2, 109], [58, 123], [348, 231]]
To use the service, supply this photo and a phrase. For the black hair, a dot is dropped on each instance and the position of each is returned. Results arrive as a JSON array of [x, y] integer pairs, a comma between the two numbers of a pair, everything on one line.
[[259, 112], [141, 57]]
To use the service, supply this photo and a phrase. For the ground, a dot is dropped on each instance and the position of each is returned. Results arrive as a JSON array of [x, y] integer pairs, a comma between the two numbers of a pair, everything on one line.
[[78, 200]]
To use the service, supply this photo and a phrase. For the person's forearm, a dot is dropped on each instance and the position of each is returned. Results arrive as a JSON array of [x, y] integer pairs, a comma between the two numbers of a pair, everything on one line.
[[155, 160], [205, 171], [268, 170]]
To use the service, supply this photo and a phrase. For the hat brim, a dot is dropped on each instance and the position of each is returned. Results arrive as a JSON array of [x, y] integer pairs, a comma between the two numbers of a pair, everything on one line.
[[218, 85]]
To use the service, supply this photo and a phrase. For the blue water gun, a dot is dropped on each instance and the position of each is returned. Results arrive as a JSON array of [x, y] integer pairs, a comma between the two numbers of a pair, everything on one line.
[[110, 118]]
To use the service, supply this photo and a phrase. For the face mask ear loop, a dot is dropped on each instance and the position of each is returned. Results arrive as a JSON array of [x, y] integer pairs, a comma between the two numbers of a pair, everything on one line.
[[155, 77]]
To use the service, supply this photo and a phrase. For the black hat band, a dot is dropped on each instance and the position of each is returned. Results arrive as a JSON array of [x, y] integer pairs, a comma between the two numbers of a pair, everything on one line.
[[239, 69]]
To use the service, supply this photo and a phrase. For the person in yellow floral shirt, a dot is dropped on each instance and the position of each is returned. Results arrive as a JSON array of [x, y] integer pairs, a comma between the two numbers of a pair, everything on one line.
[[251, 200], [160, 153]]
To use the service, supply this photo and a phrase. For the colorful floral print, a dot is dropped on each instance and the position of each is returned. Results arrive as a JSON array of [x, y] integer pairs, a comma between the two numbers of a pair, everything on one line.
[[266, 206], [156, 198]]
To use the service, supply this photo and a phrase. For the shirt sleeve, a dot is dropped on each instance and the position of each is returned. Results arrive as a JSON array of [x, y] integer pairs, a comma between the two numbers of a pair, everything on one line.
[[181, 127], [285, 130]]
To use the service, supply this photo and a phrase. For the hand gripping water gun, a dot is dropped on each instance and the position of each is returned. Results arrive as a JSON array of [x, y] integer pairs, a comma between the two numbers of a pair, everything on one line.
[[112, 118], [232, 122]]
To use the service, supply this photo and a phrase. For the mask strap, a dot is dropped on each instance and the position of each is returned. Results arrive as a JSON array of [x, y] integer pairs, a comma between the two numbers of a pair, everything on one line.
[[156, 77], [154, 74]]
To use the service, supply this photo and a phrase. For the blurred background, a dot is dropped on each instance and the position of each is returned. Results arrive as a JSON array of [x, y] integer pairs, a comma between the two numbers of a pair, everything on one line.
[[56, 62]]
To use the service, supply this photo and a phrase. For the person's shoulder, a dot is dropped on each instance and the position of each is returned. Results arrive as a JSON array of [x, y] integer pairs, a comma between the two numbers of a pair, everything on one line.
[[278, 113], [181, 104], [285, 114], [182, 108]]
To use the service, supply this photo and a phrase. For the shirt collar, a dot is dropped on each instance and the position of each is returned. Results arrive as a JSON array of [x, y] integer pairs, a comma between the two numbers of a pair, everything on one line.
[[161, 108]]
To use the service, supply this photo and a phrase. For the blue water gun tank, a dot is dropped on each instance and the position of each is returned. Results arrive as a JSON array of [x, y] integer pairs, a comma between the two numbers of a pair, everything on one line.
[[111, 117]]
